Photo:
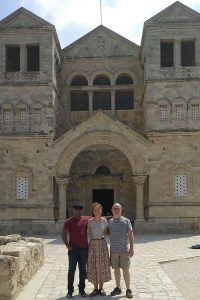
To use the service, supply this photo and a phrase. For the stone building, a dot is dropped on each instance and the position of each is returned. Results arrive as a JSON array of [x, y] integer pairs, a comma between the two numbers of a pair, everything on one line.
[[100, 120]]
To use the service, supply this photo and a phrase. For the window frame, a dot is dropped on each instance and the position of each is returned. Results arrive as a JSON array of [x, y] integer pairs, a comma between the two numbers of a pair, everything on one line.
[[11, 68], [119, 99], [29, 67], [184, 60], [166, 62], [180, 185]]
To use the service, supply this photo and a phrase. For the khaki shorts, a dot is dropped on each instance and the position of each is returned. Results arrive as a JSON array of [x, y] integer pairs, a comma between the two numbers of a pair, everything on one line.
[[119, 260]]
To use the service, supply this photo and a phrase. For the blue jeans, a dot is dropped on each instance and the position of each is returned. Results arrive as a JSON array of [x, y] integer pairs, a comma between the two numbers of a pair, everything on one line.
[[77, 255]]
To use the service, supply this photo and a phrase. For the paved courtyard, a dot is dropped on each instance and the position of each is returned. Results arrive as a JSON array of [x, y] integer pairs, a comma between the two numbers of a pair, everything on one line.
[[163, 268]]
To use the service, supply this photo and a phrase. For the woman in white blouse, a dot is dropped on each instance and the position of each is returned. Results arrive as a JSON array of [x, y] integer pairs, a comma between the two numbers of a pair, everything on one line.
[[98, 270]]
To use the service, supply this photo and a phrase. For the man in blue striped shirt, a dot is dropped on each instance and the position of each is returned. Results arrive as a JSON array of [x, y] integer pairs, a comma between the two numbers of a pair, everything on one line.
[[121, 248]]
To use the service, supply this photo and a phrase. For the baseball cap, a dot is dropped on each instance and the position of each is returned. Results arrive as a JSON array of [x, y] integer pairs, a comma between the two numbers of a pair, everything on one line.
[[78, 205]]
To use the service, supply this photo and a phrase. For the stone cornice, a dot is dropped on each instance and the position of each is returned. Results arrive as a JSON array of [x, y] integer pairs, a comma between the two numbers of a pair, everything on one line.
[[168, 133], [176, 203], [18, 137]]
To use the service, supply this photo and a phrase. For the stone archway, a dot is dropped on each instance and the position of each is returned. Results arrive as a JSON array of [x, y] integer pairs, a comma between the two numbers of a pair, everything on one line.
[[118, 141], [100, 138]]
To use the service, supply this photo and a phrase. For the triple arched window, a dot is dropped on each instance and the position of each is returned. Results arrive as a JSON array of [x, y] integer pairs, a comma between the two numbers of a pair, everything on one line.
[[21, 116], [179, 110], [102, 93]]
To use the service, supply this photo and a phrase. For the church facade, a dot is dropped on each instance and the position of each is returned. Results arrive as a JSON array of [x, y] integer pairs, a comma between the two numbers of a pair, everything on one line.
[[101, 120]]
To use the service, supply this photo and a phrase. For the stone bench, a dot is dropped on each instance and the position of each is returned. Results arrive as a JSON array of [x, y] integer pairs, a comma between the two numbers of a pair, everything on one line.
[[20, 258]]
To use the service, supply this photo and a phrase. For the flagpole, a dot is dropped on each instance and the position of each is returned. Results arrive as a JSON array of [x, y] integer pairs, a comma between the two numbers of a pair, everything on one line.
[[101, 12]]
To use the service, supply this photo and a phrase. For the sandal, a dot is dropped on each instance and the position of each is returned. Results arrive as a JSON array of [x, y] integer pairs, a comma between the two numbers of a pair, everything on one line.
[[101, 292], [94, 293]]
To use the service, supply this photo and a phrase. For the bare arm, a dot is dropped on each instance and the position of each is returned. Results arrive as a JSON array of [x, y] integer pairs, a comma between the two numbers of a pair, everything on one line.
[[131, 241], [65, 240], [106, 231]]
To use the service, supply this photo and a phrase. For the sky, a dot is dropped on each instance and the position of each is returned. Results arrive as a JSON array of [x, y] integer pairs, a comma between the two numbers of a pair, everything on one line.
[[74, 18]]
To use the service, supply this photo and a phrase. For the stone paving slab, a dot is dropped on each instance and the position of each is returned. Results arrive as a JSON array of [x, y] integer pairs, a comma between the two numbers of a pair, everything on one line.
[[149, 277], [185, 273]]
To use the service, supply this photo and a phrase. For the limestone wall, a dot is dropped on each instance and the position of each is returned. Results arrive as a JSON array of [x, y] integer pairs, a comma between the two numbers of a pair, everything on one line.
[[20, 258]]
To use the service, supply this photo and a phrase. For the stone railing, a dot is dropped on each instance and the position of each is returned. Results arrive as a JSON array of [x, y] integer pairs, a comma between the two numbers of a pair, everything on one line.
[[171, 73], [20, 258], [23, 76], [179, 72]]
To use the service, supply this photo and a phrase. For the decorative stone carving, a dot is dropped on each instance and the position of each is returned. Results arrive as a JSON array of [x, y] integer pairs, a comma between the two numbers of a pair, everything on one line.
[[23, 76], [139, 182], [62, 182]]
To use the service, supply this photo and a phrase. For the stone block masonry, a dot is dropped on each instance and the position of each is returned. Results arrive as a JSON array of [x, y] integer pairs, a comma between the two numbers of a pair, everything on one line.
[[20, 258]]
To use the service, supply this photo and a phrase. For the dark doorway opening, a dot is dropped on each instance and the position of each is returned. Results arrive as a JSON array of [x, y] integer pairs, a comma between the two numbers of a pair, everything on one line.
[[106, 198]]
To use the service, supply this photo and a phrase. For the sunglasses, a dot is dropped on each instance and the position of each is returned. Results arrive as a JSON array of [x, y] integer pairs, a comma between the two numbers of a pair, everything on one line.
[[78, 207]]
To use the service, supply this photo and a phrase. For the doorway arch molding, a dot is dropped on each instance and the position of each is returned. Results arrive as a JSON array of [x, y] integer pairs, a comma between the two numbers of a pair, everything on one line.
[[120, 142]]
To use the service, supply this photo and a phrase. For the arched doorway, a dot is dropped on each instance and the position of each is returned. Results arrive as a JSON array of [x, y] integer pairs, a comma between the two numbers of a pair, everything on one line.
[[102, 174], [73, 146]]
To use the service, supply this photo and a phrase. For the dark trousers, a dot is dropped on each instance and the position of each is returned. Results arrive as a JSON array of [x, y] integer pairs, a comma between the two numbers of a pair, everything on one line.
[[77, 255]]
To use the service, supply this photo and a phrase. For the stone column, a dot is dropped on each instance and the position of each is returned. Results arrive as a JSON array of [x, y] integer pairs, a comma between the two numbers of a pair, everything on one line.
[[90, 103], [113, 102], [23, 63], [62, 183], [139, 183], [177, 53], [121, 185]]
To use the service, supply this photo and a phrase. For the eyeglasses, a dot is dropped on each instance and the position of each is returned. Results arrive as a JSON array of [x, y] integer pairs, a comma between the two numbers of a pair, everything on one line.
[[78, 207]]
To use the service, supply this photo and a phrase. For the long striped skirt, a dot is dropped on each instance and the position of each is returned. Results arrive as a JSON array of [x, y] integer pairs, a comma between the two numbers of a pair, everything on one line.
[[98, 268]]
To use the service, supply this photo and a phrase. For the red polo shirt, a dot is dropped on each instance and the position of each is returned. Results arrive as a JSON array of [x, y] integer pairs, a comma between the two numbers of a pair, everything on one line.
[[77, 228]]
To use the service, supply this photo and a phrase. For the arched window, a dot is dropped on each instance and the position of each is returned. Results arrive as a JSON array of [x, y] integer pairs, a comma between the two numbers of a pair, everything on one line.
[[124, 79], [101, 100], [22, 187], [23, 183], [79, 80], [101, 80], [22, 115], [179, 112], [37, 113], [124, 100], [79, 101], [180, 180], [164, 111], [7, 115], [194, 109], [103, 170]]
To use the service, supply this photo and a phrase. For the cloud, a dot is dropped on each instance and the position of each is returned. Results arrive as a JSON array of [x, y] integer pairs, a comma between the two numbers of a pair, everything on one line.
[[122, 16]]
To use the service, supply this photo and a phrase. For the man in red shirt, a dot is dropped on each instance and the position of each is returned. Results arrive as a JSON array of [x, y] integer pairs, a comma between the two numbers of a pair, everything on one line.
[[74, 236]]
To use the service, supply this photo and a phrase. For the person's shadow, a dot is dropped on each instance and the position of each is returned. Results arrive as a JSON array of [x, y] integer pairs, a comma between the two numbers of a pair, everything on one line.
[[96, 297]]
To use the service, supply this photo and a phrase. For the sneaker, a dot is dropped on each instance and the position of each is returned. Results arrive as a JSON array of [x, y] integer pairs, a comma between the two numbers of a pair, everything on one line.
[[94, 293], [116, 291], [129, 293], [101, 292], [83, 294], [69, 295]]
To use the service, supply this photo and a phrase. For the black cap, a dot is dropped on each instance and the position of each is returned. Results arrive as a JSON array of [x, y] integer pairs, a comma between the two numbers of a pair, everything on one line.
[[77, 205]]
